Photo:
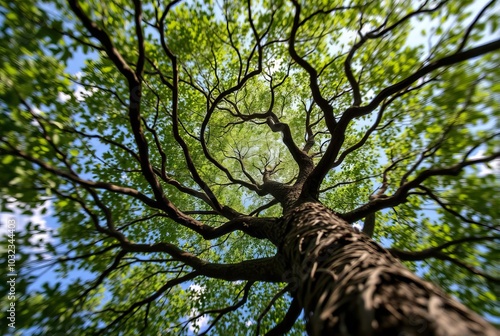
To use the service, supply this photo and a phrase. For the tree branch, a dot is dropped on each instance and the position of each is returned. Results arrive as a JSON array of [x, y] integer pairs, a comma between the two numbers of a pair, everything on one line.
[[171, 283], [437, 253], [278, 295], [453, 212], [288, 321], [473, 23], [443, 62], [400, 195], [323, 104], [222, 312], [263, 269], [325, 164]]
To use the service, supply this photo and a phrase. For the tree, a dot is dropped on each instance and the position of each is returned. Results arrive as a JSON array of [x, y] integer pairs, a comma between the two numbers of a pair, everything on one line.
[[214, 160]]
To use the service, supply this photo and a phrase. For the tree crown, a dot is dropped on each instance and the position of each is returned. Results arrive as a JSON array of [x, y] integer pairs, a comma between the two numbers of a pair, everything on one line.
[[169, 139]]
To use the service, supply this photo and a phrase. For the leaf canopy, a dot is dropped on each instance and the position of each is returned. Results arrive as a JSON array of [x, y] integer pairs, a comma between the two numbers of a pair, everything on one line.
[[147, 124]]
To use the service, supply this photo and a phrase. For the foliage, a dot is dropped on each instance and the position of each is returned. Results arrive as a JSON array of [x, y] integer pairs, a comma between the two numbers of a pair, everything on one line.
[[147, 125]]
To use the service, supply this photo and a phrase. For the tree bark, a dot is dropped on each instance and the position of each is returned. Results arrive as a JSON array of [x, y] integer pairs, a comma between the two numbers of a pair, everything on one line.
[[347, 284]]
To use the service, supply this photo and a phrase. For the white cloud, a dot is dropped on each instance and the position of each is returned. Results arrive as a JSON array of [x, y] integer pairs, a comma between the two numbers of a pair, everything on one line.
[[197, 288], [81, 93], [197, 291], [249, 323], [493, 166], [358, 226], [21, 221], [63, 97], [274, 65], [200, 322], [36, 110]]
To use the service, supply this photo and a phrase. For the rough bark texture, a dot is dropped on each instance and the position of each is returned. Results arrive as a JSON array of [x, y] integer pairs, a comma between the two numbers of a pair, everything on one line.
[[350, 285]]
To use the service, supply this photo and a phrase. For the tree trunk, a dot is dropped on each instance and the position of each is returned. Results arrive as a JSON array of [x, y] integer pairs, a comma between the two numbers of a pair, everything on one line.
[[350, 285]]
